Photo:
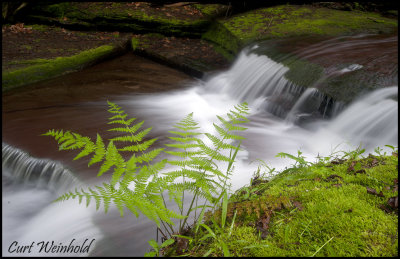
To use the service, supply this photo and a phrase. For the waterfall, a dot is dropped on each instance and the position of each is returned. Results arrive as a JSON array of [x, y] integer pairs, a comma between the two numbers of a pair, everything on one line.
[[30, 186], [42, 173], [306, 105], [370, 120], [259, 80]]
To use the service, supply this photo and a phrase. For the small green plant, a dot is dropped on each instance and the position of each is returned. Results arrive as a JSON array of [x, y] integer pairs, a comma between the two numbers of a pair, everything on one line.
[[198, 164], [353, 154], [157, 248], [221, 238], [300, 160]]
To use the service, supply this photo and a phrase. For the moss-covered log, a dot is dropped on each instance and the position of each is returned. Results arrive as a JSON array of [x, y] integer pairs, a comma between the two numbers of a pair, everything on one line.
[[42, 69]]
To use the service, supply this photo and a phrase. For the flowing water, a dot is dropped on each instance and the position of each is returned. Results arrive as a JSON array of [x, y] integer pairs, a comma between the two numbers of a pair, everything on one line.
[[285, 117]]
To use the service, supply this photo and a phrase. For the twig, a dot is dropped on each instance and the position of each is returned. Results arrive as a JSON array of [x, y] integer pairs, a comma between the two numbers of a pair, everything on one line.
[[322, 247]]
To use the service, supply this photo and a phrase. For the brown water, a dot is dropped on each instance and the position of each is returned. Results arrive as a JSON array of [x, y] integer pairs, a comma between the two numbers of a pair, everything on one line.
[[78, 102]]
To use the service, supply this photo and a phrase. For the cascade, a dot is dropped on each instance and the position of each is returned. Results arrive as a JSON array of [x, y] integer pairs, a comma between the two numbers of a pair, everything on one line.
[[30, 184], [260, 80], [29, 187], [372, 119], [306, 105], [43, 173]]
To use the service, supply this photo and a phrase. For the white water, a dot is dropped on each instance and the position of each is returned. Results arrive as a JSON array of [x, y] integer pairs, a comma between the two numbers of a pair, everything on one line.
[[28, 212], [369, 121], [28, 215]]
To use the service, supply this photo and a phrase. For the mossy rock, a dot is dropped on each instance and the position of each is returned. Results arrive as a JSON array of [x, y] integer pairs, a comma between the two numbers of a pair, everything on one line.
[[118, 16], [192, 56], [41, 69], [291, 20], [212, 10], [341, 207]]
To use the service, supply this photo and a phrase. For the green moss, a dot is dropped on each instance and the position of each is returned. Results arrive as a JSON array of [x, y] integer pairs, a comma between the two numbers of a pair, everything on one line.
[[299, 68], [39, 27], [225, 53], [334, 215], [45, 69], [289, 20], [119, 17], [211, 10], [134, 43], [353, 83], [219, 35], [29, 61]]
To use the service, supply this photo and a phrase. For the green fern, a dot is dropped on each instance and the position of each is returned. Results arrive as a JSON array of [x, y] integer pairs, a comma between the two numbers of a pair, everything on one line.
[[137, 185], [198, 162], [146, 196]]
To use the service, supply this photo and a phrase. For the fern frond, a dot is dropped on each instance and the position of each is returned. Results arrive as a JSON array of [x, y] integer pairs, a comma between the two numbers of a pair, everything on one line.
[[213, 153], [68, 141], [119, 170], [230, 125], [100, 151], [119, 116], [111, 158], [184, 134], [186, 138], [132, 129], [88, 147], [133, 138], [54, 133], [149, 156], [139, 147], [219, 143], [223, 133], [185, 145]]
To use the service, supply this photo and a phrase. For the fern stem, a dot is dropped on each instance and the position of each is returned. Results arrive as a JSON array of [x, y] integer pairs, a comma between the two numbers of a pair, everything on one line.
[[183, 196], [187, 214], [162, 196], [196, 192], [166, 229], [165, 204]]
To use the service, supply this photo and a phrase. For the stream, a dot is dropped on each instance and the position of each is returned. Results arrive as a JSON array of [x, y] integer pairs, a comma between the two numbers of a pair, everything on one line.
[[285, 117]]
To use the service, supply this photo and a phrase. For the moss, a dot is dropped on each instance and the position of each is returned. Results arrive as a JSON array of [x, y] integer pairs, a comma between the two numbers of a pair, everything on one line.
[[29, 61], [289, 20], [225, 53], [95, 15], [39, 27], [134, 43], [211, 10], [45, 69], [354, 83], [331, 212], [219, 35], [299, 68]]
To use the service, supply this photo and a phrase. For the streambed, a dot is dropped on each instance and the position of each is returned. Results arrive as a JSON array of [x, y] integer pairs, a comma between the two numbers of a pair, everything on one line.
[[162, 97]]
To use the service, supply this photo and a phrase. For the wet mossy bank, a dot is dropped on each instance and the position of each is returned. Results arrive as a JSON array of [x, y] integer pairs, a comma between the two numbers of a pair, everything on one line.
[[344, 206], [42, 69], [284, 21], [139, 17]]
